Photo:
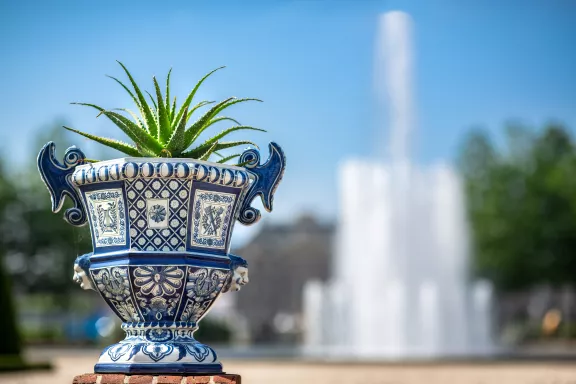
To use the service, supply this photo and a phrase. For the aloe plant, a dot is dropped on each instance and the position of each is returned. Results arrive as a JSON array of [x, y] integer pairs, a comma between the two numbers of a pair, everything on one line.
[[162, 129]]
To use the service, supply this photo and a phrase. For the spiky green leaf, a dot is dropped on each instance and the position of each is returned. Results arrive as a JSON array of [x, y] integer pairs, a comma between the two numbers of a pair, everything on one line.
[[235, 101], [221, 118], [138, 120], [173, 110], [227, 158], [217, 146], [167, 102], [188, 100], [147, 112], [210, 123], [127, 90], [164, 130], [176, 142], [134, 116], [191, 132], [198, 127], [206, 155], [226, 132], [146, 152], [112, 143], [230, 144], [153, 103], [199, 105], [138, 135]]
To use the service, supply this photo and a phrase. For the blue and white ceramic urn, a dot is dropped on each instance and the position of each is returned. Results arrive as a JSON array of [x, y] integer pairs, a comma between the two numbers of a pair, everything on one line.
[[161, 232]]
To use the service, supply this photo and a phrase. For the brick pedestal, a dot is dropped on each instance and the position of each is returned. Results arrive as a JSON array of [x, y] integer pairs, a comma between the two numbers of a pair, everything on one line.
[[113, 378]]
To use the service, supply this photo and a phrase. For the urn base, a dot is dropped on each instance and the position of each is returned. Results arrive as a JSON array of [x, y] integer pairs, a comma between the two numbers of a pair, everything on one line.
[[114, 378], [156, 348], [154, 369]]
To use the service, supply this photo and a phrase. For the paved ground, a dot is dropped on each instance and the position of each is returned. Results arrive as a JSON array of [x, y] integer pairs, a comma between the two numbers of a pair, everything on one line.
[[70, 363]]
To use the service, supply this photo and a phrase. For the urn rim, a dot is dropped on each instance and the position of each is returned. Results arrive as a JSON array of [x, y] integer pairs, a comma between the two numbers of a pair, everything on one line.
[[128, 159]]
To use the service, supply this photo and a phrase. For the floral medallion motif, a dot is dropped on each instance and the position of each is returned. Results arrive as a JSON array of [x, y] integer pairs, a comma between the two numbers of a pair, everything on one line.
[[106, 212], [158, 280], [157, 213], [202, 288], [159, 288], [211, 221], [159, 335]]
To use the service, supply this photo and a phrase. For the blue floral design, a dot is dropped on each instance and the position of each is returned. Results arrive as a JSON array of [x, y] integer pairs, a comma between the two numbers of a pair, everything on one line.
[[157, 213], [159, 290], [157, 351], [158, 281]]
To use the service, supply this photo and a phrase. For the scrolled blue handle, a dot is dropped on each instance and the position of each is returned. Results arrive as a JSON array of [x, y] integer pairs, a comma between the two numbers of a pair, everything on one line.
[[56, 176], [266, 179]]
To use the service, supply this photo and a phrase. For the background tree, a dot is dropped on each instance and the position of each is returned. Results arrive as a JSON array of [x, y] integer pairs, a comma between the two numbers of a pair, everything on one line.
[[40, 247], [10, 347], [522, 205]]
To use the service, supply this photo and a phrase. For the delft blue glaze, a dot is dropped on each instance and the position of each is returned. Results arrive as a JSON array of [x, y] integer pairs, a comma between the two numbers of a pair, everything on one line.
[[141, 369], [161, 232], [266, 179], [56, 176]]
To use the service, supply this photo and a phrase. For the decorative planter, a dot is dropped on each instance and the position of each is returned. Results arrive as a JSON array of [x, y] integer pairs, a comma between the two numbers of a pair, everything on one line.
[[161, 232]]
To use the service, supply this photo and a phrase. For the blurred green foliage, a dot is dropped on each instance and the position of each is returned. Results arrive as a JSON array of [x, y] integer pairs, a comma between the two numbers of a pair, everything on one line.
[[38, 245], [522, 205], [213, 331], [11, 344]]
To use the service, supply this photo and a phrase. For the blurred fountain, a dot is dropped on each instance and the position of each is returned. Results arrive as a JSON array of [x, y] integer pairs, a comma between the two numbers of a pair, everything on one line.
[[401, 286]]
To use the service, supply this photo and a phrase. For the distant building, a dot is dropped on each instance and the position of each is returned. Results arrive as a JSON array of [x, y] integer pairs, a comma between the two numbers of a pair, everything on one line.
[[281, 259]]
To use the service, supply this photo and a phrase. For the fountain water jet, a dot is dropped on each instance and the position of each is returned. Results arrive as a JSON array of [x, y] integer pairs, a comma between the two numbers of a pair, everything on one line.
[[401, 286]]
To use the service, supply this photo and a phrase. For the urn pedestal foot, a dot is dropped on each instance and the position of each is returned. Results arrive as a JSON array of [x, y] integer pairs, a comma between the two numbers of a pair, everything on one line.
[[159, 348], [95, 378]]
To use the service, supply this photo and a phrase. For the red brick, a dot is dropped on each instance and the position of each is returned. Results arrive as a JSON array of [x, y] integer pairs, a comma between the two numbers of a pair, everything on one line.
[[140, 379], [227, 379], [112, 379], [91, 378], [169, 379], [198, 379], [87, 378], [217, 379]]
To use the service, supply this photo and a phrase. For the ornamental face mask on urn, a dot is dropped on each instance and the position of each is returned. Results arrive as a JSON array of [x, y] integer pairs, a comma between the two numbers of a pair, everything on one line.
[[161, 222]]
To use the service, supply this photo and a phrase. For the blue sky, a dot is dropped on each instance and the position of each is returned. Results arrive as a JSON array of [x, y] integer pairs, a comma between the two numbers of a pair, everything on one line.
[[478, 63]]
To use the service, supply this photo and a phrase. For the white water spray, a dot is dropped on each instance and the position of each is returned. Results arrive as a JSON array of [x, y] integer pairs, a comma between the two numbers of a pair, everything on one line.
[[400, 287]]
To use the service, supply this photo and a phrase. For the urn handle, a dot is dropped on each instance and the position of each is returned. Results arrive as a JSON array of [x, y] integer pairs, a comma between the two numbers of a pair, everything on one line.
[[266, 178], [56, 176]]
